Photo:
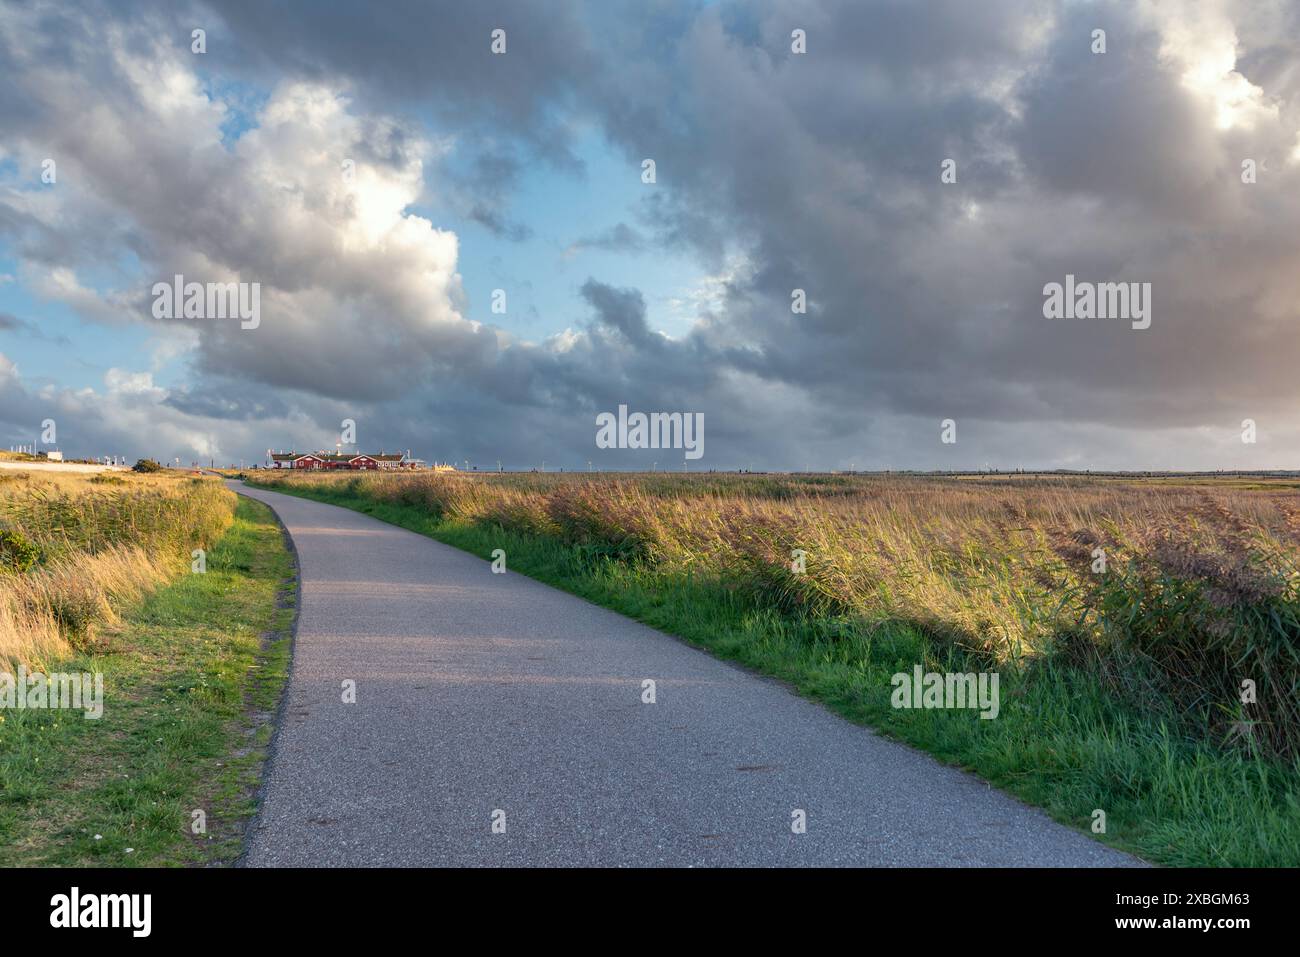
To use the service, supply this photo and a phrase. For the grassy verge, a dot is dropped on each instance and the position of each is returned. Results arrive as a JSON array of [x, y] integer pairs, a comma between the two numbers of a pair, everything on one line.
[[74, 548], [1064, 740], [192, 677]]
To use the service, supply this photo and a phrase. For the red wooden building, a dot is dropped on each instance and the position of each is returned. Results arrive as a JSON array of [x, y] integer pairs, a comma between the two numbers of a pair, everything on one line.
[[340, 460]]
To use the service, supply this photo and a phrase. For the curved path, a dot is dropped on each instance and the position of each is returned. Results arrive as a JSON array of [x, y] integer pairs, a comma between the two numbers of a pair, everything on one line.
[[481, 693]]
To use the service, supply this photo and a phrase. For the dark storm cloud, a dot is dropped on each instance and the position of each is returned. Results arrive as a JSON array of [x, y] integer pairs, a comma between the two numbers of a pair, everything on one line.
[[622, 310], [1115, 127], [431, 55], [827, 167], [227, 399]]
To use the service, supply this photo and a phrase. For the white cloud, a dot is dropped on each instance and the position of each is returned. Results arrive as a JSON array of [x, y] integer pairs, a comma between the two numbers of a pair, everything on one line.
[[349, 277], [1199, 36], [123, 382]]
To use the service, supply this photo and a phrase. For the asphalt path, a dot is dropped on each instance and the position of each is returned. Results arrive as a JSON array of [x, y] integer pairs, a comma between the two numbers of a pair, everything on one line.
[[500, 722]]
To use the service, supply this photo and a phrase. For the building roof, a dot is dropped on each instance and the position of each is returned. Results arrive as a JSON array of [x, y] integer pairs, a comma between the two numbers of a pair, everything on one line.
[[337, 456]]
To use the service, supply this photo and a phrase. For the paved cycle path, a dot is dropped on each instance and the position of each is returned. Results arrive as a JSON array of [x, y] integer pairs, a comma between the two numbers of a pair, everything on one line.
[[483, 697]]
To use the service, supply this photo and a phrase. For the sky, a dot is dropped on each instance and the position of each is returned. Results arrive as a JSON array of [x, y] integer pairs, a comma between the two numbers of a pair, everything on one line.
[[459, 249]]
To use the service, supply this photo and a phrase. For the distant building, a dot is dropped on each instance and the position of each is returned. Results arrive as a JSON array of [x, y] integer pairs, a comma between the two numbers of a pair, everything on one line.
[[54, 456], [356, 461]]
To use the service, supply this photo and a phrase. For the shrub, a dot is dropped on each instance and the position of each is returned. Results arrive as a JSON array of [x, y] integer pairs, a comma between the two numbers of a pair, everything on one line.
[[17, 552], [146, 465]]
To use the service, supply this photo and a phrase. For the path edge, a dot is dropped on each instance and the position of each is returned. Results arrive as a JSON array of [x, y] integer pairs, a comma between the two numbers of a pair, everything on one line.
[[253, 823]]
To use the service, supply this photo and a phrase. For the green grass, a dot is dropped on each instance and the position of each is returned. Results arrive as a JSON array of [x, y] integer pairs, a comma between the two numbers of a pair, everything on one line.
[[1064, 740], [192, 680]]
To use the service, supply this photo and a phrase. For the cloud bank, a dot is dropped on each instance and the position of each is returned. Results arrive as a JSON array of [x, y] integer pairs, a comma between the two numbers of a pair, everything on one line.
[[296, 152]]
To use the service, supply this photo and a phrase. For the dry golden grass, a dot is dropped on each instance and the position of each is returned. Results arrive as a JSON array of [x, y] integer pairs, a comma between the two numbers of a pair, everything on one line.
[[104, 542]]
